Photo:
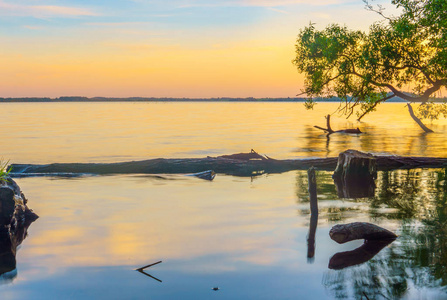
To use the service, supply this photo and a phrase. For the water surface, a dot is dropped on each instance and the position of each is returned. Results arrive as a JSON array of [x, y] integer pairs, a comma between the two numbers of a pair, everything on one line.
[[247, 236]]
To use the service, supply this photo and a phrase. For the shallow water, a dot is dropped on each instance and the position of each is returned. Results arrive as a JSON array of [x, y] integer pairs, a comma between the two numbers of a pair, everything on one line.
[[247, 236]]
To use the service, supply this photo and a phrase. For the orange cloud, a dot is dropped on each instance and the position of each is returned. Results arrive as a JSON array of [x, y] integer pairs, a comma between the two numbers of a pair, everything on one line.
[[8, 9]]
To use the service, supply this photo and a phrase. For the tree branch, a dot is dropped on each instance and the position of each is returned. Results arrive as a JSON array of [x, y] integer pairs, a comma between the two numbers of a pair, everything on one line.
[[416, 119], [409, 67], [423, 98], [374, 106]]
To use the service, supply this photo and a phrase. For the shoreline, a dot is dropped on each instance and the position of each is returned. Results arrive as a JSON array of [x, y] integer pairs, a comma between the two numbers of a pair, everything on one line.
[[152, 99]]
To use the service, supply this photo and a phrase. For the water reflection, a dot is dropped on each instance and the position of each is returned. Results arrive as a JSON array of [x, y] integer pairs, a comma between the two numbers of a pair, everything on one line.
[[415, 264], [243, 235], [9, 243], [362, 254]]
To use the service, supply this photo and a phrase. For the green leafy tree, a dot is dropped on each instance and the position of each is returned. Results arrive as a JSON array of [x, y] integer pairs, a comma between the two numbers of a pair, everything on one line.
[[364, 69]]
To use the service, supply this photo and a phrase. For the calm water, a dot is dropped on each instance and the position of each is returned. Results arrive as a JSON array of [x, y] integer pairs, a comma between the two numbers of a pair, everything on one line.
[[247, 236]]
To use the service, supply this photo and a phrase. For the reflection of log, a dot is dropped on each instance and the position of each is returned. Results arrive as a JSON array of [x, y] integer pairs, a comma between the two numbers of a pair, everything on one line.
[[343, 233], [314, 213], [312, 191], [311, 237], [358, 256], [231, 166], [329, 130], [206, 175], [355, 188], [355, 173], [9, 241]]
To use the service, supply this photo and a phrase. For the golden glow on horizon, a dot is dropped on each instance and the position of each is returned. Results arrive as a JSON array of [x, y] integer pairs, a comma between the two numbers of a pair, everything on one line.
[[196, 51], [239, 70]]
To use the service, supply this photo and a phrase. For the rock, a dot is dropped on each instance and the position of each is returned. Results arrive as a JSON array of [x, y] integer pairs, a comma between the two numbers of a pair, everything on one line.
[[343, 233]]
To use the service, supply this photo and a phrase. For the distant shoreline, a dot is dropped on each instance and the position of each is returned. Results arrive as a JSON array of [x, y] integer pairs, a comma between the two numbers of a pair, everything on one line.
[[152, 99]]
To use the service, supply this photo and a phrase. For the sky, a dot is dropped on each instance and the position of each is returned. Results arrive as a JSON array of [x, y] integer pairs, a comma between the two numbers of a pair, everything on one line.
[[160, 48]]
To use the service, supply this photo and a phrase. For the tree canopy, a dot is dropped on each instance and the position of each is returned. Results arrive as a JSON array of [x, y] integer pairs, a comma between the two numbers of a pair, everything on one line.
[[401, 56]]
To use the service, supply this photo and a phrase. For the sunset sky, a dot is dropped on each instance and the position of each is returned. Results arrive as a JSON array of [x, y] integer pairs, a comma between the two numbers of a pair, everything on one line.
[[160, 48]]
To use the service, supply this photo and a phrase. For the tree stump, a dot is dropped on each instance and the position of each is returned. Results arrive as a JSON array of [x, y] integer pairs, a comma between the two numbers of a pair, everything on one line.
[[355, 173]]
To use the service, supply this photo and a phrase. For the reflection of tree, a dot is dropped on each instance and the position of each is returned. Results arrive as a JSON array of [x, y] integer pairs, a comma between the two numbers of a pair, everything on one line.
[[409, 192], [326, 192], [419, 257], [426, 244]]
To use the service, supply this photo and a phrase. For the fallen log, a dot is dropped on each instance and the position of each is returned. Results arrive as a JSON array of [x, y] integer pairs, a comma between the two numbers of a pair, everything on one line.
[[221, 164], [343, 233]]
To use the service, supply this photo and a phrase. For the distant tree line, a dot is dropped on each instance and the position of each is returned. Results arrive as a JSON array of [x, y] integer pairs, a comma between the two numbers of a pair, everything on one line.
[[154, 99]]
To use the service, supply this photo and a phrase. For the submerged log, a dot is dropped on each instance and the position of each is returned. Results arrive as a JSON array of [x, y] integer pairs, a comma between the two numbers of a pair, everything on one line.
[[343, 233], [355, 173], [231, 165]]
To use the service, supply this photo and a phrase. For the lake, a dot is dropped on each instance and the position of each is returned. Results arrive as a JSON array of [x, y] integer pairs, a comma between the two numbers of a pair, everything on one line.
[[245, 235]]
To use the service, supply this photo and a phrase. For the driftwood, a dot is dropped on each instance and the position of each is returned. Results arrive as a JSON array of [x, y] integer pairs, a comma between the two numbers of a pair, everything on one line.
[[221, 164], [358, 256], [343, 233], [329, 130], [355, 173]]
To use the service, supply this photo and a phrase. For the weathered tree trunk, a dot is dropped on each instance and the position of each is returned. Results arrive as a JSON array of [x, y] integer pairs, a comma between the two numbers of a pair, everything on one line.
[[343, 233], [354, 175], [314, 213], [417, 120], [358, 256]]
